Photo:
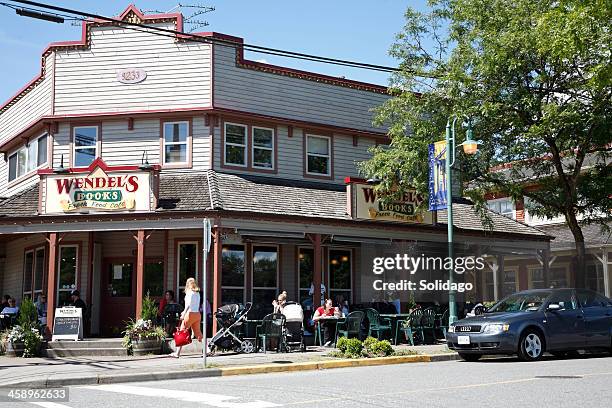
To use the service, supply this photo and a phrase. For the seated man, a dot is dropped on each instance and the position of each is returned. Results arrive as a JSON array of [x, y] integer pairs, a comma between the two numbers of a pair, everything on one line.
[[322, 316]]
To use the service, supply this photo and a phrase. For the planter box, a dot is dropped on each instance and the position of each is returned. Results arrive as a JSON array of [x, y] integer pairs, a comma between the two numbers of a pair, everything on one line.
[[14, 349], [148, 346]]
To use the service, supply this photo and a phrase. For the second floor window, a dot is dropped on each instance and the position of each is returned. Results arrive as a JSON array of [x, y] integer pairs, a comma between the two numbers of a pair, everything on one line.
[[85, 145], [503, 206], [175, 142], [235, 145], [28, 158], [263, 148], [318, 152]]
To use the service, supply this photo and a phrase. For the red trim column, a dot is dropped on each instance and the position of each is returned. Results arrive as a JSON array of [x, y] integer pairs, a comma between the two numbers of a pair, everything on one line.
[[140, 239], [52, 272], [216, 280], [316, 278]]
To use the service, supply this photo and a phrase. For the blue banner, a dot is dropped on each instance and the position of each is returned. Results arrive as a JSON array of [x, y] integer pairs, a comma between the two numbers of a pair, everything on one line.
[[437, 176]]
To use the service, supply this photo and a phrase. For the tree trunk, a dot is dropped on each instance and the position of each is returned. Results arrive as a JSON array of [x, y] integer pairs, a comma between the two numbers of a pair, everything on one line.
[[579, 280]]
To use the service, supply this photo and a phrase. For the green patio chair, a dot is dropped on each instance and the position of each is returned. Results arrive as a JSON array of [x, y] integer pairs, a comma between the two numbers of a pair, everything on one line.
[[272, 326], [377, 324], [351, 326], [412, 326], [428, 322], [443, 323]]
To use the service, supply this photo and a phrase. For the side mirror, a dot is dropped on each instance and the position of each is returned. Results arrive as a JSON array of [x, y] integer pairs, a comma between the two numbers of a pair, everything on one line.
[[554, 307]]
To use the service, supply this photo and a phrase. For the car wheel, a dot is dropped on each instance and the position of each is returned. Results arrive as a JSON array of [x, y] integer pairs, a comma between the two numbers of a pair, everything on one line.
[[470, 357], [531, 346]]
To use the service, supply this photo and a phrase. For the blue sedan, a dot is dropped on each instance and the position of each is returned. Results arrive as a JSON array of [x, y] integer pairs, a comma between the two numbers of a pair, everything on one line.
[[530, 322]]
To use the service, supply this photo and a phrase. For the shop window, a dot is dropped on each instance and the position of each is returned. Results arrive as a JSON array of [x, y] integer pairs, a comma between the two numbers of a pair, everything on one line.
[[235, 145], [509, 286], [306, 272], [340, 274], [28, 158], [263, 148], [28, 270], [265, 274], [537, 278], [489, 286], [85, 140], [594, 278], [318, 152], [232, 274], [187, 265], [558, 277], [176, 136], [67, 277], [154, 278], [39, 270]]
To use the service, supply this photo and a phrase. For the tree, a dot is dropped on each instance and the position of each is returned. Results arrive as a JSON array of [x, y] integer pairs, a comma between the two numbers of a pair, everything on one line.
[[534, 76]]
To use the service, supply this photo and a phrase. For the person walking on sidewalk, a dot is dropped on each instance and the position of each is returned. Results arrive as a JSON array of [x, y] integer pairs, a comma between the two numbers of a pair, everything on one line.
[[191, 317]]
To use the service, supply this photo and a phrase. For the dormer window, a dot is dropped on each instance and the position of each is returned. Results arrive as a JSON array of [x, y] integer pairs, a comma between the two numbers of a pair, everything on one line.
[[28, 158], [85, 141]]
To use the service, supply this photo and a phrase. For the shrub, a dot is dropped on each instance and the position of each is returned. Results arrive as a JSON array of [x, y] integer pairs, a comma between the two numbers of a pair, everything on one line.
[[354, 348], [368, 343], [149, 310], [28, 315], [342, 344], [382, 348]]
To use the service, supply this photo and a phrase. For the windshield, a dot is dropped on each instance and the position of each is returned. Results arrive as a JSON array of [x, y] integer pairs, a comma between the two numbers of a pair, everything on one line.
[[525, 302]]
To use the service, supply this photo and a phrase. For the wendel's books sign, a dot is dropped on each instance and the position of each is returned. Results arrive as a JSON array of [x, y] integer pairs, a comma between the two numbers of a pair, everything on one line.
[[366, 204], [97, 190]]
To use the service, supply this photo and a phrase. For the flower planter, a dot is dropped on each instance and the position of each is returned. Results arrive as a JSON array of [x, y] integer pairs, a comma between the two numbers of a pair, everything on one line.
[[146, 346], [14, 349]]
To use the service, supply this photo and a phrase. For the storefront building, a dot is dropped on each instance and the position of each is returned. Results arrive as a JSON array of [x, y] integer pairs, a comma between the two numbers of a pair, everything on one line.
[[127, 141]]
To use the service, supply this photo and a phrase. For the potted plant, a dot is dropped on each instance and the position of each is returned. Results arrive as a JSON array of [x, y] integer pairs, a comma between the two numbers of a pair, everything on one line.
[[142, 336], [24, 339], [22, 342]]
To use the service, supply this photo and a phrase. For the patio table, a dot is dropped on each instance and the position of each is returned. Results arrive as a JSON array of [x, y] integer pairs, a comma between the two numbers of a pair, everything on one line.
[[396, 319], [326, 319]]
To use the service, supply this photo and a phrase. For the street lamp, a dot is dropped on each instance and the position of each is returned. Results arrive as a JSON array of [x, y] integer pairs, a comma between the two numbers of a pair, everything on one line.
[[470, 147]]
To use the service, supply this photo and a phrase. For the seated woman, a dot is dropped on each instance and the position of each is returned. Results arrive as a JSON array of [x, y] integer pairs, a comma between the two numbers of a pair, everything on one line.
[[329, 326], [279, 303]]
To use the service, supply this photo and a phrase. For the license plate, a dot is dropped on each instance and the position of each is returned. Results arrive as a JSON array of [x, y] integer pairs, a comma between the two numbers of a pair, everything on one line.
[[463, 339]]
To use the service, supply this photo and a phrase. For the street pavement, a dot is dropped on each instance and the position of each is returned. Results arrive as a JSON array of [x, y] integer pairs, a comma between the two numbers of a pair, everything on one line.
[[506, 382]]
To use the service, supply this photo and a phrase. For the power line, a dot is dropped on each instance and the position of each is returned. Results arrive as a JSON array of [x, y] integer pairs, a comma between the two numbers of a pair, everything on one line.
[[195, 37]]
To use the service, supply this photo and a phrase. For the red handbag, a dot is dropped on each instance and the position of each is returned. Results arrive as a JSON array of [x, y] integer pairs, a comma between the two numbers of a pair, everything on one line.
[[181, 337]]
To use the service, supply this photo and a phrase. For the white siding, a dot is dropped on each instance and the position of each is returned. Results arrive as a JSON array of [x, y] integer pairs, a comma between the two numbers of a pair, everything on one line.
[[178, 73], [282, 96], [34, 104]]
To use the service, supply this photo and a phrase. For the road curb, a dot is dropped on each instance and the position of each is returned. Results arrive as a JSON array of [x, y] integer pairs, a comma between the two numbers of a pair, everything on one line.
[[62, 380]]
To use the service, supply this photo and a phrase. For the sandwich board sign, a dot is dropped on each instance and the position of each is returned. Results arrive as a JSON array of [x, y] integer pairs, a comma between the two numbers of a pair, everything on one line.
[[68, 324]]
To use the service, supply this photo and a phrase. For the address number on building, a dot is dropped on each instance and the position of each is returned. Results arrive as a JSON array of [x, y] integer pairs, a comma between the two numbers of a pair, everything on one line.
[[131, 75]]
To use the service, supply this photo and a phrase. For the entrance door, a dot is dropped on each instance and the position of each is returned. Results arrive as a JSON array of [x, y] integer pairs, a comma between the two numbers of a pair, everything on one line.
[[118, 300]]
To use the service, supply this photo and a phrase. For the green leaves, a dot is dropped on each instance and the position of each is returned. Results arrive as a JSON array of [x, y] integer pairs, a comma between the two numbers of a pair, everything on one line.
[[535, 76]]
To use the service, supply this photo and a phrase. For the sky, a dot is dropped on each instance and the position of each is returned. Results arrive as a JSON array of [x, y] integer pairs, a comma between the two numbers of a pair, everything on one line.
[[346, 29]]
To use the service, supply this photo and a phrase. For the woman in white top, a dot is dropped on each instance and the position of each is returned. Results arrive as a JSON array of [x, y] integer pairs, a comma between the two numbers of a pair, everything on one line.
[[190, 317]]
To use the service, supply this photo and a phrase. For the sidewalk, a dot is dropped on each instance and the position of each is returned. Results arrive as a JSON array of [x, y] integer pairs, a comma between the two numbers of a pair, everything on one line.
[[46, 372]]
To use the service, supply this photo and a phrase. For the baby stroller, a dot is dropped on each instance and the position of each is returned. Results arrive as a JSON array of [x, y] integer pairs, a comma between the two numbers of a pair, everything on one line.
[[294, 326], [229, 318]]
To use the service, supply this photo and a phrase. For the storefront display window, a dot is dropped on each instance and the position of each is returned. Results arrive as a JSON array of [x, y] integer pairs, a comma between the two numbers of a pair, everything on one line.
[[265, 274], [340, 274], [68, 255], [232, 274]]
